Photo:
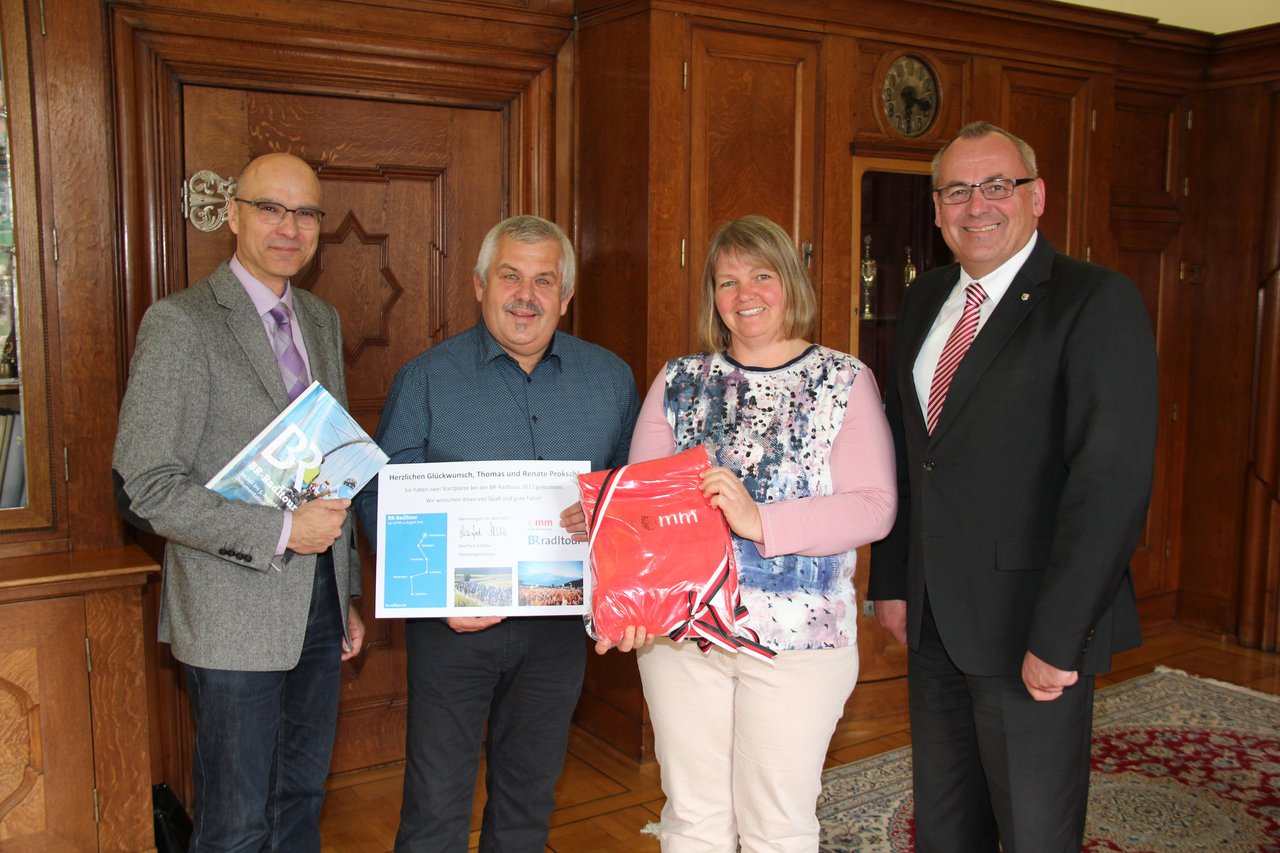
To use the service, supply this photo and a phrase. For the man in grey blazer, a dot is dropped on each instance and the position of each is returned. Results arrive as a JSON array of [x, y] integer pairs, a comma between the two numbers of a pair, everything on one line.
[[256, 600], [1023, 487]]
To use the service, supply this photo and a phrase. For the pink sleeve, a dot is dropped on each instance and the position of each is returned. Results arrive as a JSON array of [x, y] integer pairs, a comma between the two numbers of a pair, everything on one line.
[[653, 437], [864, 480]]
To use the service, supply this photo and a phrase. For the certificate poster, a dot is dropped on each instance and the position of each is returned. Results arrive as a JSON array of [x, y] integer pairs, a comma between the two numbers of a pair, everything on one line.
[[479, 539]]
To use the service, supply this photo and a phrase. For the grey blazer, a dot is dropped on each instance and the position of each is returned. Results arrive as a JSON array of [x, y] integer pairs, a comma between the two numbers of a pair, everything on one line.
[[203, 382]]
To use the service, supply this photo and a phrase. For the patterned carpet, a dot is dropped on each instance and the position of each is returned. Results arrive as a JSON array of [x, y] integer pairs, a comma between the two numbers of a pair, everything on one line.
[[1179, 764]]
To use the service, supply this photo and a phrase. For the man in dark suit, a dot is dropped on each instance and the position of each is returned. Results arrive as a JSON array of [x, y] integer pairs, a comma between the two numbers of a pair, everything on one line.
[[256, 600], [1024, 465]]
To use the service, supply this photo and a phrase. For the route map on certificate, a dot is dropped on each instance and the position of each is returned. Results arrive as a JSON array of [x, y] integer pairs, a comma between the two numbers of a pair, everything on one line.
[[479, 539]]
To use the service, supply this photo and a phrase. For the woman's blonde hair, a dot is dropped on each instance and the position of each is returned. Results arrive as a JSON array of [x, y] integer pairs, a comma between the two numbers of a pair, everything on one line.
[[758, 239]]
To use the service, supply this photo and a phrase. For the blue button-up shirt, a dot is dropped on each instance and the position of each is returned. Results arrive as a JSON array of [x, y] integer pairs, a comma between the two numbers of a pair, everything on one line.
[[466, 399]]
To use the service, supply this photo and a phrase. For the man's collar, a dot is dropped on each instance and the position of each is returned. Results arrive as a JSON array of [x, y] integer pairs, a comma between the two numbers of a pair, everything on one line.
[[490, 349], [264, 298]]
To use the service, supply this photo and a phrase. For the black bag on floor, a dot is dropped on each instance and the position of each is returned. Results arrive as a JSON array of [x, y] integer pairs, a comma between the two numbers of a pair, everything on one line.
[[173, 825]]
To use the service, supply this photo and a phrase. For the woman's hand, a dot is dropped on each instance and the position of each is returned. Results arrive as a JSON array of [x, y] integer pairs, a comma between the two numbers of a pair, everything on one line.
[[634, 637], [727, 494]]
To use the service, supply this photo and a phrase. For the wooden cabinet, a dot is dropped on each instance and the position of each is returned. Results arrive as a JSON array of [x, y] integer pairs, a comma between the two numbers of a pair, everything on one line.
[[1149, 209], [75, 771], [34, 521], [685, 123], [1052, 109]]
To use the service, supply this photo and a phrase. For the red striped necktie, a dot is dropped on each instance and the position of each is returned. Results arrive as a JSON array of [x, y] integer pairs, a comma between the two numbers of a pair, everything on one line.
[[962, 335]]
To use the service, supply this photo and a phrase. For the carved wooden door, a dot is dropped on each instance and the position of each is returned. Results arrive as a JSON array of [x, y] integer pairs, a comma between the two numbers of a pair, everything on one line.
[[409, 192], [46, 786]]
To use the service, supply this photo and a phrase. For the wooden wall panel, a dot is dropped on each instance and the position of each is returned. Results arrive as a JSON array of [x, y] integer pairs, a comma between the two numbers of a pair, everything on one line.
[[1258, 607], [1150, 220], [1051, 111], [1150, 255], [611, 305], [754, 132], [1148, 127], [669, 177], [121, 754], [1223, 308], [46, 801], [616, 287]]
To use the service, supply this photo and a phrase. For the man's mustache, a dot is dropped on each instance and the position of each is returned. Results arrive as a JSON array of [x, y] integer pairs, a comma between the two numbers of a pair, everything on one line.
[[517, 305]]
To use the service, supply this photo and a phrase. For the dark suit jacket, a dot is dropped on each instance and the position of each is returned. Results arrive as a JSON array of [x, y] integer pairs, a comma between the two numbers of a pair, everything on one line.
[[1020, 513], [203, 382]]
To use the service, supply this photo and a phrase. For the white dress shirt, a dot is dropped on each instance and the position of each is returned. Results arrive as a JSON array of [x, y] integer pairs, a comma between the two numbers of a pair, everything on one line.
[[995, 284]]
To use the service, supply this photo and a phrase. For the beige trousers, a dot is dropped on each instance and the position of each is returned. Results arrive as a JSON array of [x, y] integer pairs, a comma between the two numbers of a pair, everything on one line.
[[741, 743]]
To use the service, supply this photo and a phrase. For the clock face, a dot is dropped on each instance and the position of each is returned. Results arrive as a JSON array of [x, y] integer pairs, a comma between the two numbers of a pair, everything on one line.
[[910, 96]]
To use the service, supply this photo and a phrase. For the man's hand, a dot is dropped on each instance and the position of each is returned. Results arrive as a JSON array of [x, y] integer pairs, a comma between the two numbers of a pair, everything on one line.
[[634, 637], [469, 624], [1045, 682], [355, 628], [317, 525], [574, 520], [893, 618], [727, 494]]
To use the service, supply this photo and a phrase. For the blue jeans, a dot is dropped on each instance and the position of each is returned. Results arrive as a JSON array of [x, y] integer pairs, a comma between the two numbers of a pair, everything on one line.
[[264, 740], [523, 675]]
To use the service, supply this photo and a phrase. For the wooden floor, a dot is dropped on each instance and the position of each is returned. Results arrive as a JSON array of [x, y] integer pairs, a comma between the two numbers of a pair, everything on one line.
[[604, 802]]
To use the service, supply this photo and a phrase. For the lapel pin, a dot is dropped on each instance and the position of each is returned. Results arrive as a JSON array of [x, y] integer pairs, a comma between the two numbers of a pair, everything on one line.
[[1026, 296]]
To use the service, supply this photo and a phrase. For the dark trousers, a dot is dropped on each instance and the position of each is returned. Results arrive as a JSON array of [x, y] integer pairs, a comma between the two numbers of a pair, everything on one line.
[[523, 675], [991, 764], [264, 739]]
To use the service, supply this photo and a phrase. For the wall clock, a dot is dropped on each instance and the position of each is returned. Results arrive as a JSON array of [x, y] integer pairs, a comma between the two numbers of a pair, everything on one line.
[[910, 96]]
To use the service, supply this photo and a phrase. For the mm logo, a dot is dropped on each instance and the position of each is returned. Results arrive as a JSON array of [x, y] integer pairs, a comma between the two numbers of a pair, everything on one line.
[[654, 522], [541, 524]]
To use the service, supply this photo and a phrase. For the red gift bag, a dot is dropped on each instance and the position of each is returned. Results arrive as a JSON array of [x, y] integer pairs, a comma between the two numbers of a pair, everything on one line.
[[661, 556]]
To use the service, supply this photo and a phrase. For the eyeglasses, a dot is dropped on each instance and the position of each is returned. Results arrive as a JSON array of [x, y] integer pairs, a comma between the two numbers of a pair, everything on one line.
[[273, 213], [996, 189]]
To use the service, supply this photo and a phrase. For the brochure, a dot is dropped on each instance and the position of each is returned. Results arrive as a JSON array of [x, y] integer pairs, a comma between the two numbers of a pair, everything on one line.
[[313, 449]]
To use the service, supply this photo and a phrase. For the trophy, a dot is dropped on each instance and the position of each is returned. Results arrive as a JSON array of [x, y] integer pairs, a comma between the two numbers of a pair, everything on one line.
[[868, 277], [908, 271]]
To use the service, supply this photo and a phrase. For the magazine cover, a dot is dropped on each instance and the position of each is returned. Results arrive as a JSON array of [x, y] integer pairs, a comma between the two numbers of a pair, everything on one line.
[[313, 449]]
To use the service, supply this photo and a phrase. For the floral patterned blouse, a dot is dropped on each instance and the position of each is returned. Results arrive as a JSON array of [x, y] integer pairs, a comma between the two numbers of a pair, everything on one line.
[[809, 441]]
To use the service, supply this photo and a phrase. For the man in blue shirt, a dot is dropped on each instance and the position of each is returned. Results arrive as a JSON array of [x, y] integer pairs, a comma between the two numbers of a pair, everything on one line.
[[511, 387]]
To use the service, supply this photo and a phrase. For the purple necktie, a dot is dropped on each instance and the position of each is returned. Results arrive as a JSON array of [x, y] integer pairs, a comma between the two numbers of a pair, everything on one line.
[[292, 368], [962, 335]]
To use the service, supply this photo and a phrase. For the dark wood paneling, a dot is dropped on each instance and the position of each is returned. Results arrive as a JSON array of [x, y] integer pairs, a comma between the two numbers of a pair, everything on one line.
[[1223, 306], [48, 799], [753, 125], [1050, 109], [1259, 601], [1148, 213], [118, 690], [612, 302], [1147, 132]]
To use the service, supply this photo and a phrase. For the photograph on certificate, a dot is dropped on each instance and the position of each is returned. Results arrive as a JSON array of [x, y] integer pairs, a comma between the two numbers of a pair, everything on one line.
[[479, 539]]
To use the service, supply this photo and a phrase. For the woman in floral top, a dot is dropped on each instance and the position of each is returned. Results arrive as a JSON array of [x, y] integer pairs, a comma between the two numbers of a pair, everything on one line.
[[805, 475]]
